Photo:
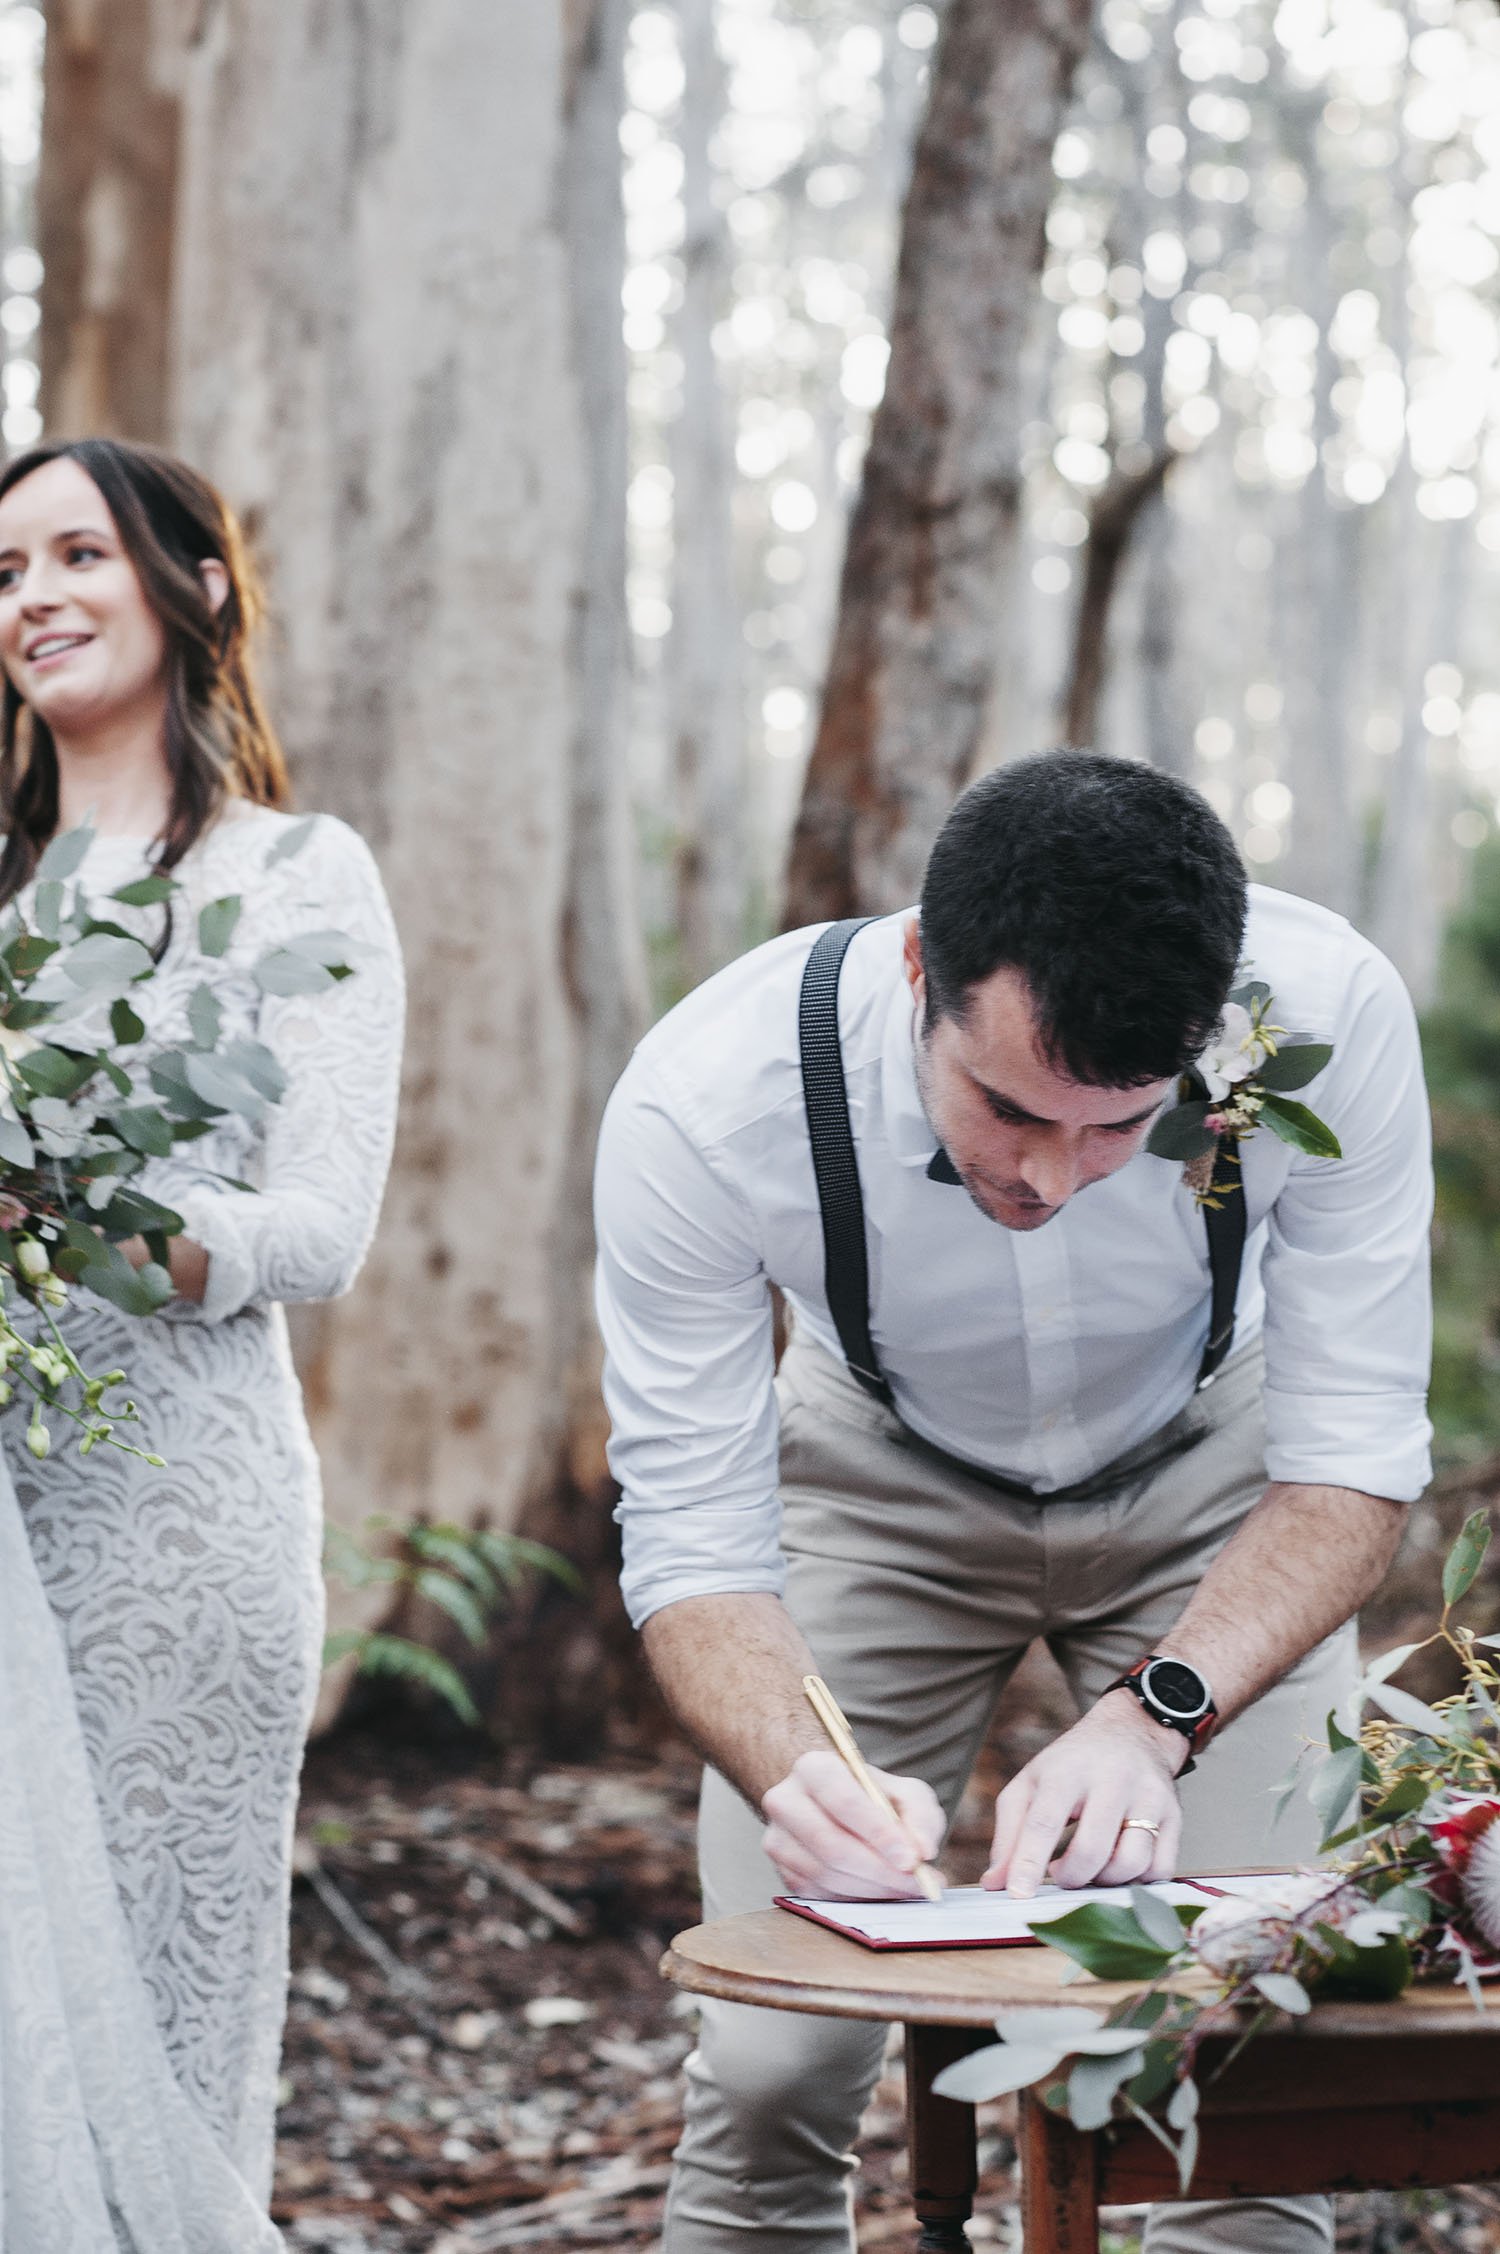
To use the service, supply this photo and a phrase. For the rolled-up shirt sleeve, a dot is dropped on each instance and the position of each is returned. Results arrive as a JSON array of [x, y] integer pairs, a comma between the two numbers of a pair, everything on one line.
[[685, 1311], [1348, 1327]]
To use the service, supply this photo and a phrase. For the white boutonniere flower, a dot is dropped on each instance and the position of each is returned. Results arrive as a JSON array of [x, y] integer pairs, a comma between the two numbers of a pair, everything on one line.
[[1243, 1080]]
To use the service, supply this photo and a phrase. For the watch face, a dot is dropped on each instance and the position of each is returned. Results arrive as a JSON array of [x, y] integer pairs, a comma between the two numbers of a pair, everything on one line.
[[1176, 1688]]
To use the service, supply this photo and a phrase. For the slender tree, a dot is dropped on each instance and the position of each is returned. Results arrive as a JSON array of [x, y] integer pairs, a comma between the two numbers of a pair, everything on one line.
[[106, 199], [916, 647], [708, 719], [398, 349]]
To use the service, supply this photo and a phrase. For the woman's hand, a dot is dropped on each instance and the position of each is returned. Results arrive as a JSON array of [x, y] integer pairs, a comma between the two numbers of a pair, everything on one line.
[[187, 1264]]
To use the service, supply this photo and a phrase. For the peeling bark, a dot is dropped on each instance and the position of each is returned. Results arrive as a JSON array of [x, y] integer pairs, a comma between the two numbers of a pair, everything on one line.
[[397, 349]]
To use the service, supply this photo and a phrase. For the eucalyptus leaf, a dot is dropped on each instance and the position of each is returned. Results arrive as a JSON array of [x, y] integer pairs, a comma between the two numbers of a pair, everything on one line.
[[1294, 1065], [28, 951], [1389, 1663], [137, 1291], [259, 1066], [1284, 1991], [284, 972], [146, 892], [1182, 2106], [216, 924], [1094, 2084], [1187, 2157], [1333, 1788], [996, 2071], [16, 1146], [168, 1076], [1409, 1711], [1058, 2024], [1158, 1918], [47, 908], [217, 1083], [1466, 1557], [126, 1027], [66, 854], [205, 1018], [144, 1128], [291, 841], [102, 960], [54, 1072], [1302, 1128]]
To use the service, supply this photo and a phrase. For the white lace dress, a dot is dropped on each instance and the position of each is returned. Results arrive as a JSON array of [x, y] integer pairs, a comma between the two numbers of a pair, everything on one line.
[[160, 1630]]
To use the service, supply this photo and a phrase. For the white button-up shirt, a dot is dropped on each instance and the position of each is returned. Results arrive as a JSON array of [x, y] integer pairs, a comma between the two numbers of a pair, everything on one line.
[[1040, 1355]]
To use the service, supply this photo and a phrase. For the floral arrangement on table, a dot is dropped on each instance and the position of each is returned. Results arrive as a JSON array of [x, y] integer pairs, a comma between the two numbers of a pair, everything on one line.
[[1409, 1801], [1243, 1081], [86, 1101]]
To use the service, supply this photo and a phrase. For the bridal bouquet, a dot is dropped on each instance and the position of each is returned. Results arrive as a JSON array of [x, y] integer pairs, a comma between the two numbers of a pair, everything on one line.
[[87, 1099], [1409, 1800]]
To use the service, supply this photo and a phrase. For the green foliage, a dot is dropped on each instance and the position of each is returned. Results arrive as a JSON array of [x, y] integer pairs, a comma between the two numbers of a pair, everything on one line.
[[469, 1573], [1461, 1042]]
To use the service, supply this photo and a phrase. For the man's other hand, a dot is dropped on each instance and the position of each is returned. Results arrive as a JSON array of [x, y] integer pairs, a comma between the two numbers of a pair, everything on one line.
[[1115, 1763], [827, 1837]]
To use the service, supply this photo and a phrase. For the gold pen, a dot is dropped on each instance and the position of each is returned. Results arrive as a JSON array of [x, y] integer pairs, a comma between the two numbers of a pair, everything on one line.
[[831, 1715]]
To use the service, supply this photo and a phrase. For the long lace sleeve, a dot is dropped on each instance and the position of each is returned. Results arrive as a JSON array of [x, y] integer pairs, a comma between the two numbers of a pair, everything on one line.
[[320, 1165]]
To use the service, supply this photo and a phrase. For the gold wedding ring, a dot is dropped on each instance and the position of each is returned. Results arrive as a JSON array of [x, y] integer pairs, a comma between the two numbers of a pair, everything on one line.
[[1141, 1823]]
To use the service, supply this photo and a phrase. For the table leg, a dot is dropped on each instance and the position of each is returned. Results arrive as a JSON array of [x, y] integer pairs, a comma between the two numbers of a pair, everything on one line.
[[1059, 2183], [941, 2139]]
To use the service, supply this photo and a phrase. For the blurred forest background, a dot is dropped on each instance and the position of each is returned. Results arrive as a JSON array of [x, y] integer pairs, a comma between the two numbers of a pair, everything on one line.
[[685, 442]]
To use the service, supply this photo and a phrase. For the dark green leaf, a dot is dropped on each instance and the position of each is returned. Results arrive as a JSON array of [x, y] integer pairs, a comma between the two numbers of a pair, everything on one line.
[[65, 855], [1302, 1128], [1367, 1975], [125, 1025], [1106, 1939], [137, 1291], [1157, 2073], [168, 1077], [144, 1128], [1294, 1064], [1180, 1133], [28, 951], [217, 1083], [1402, 1800], [54, 1072], [1466, 1557], [22, 1016], [134, 1214], [146, 892], [204, 1016], [1338, 1738], [189, 1130], [216, 924]]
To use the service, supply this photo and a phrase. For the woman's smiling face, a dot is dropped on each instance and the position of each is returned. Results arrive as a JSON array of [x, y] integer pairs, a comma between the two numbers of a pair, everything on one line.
[[78, 639]]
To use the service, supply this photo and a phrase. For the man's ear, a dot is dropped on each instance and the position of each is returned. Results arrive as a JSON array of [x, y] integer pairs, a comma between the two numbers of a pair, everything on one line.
[[911, 959], [215, 578]]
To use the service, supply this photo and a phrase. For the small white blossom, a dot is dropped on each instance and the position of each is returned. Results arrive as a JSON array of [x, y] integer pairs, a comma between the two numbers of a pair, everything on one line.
[[1237, 1937], [1236, 1052]]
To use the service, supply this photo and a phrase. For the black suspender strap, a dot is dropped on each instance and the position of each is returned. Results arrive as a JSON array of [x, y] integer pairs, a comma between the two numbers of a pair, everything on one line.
[[846, 1267], [1224, 1220]]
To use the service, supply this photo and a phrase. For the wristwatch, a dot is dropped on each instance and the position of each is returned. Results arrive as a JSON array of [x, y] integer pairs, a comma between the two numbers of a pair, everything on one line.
[[1176, 1695]]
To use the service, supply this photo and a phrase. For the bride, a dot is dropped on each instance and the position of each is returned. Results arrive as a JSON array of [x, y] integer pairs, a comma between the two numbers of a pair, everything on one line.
[[160, 1628]]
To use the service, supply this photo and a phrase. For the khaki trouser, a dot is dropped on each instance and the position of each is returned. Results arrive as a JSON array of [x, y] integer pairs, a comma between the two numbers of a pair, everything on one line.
[[919, 1587]]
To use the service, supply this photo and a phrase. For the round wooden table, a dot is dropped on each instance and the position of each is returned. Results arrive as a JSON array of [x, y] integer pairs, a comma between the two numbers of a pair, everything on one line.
[[1354, 2097]]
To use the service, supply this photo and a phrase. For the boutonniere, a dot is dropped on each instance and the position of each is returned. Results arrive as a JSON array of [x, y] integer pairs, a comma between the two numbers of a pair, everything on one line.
[[1243, 1081]]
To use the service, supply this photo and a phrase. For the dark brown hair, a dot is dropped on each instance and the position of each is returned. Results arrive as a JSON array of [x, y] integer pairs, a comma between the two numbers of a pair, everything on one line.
[[219, 742]]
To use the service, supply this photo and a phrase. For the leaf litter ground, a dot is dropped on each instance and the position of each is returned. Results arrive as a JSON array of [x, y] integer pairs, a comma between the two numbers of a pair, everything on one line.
[[480, 2054]]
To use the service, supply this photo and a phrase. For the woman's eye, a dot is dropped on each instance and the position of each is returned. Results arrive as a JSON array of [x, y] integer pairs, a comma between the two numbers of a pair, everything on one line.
[[84, 554]]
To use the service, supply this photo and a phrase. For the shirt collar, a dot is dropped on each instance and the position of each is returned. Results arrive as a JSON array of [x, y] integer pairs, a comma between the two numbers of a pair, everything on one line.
[[907, 1131]]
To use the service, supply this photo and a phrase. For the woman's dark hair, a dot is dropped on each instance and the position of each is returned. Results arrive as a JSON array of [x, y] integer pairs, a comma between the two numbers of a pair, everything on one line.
[[219, 743], [1114, 890]]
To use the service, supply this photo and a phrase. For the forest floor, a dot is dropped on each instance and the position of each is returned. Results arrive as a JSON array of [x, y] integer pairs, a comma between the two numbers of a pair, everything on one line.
[[480, 2052]]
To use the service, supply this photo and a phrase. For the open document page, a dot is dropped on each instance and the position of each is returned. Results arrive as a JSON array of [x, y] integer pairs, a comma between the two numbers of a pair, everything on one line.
[[968, 1917]]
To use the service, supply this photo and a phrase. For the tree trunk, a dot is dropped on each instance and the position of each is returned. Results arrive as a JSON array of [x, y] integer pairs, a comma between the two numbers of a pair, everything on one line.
[[106, 195], [1112, 520], [398, 350], [916, 646], [709, 726]]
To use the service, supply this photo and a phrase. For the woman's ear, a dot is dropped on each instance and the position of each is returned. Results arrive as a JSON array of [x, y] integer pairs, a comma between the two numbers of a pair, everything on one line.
[[215, 580]]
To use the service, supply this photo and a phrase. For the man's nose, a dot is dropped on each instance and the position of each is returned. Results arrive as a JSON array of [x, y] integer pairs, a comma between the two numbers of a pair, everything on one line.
[[1052, 1169]]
